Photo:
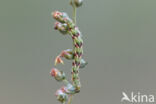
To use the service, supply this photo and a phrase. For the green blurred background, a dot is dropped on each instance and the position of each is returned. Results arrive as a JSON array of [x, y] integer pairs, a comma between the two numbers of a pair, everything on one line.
[[119, 45]]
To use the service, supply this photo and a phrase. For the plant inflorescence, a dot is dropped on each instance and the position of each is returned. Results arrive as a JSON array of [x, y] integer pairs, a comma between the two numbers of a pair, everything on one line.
[[65, 25]]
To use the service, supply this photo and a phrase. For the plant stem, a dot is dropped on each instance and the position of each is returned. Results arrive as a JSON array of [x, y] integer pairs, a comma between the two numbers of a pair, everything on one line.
[[74, 14], [74, 20], [65, 81], [74, 11], [70, 99]]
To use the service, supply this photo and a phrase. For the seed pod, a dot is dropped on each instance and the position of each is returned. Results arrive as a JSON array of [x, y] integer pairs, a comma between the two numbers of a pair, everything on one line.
[[78, 3], [61, 96], [58, 75]]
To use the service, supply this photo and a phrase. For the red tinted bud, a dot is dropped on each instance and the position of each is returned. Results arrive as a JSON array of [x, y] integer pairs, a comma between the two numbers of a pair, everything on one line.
[[58, 75], [56, 25], [62, 27], [58, 60], [61, 16], [53, 72], [56, 14], [66, 54], [69, 89]]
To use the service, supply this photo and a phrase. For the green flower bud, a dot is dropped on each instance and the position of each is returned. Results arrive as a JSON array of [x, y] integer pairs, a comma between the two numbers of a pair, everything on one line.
[[78, 3], [69, 89], [67, 55], [61, 96], [83, 63], [61, 16], [61, 27], [58, 75]]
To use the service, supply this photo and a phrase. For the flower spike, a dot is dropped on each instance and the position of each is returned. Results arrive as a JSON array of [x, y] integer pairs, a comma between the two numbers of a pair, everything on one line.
[[65, 25]]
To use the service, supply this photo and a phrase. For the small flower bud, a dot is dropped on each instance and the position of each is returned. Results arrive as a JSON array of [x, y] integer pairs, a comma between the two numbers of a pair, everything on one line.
[[83, 63], [61, 16], [77, 85], [58, 75], [78, 3], [61, 96], [61, 27], [57, 14], [58, 60], [69, 89], [67, 55], [78, 41]]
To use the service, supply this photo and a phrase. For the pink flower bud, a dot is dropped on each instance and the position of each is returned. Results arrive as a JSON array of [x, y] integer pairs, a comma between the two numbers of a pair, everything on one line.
[[56, 14], [53, 72], [61, 16], [61, 27], [69, 89], [58, 75], [58, 60], [67, 55]]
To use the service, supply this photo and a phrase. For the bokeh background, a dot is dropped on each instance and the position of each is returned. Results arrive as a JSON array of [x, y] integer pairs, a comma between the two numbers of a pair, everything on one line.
[[119, 45]]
